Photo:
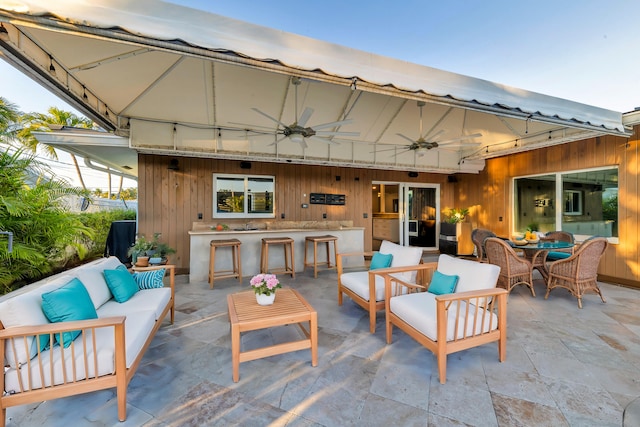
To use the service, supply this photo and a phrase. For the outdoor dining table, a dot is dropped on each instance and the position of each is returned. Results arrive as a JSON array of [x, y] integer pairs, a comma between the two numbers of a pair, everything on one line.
[[537, 253]]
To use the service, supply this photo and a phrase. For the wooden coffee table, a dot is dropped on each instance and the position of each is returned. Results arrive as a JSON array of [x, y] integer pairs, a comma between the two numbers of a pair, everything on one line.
[[245, 314]]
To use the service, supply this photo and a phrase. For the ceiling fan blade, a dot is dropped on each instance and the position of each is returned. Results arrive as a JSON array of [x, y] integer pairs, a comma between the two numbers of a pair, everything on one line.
[[338, 133], [269, 117], [406, 137], [332, 124], [462, 138], [304, 118], [323, 140], [277, 140], [303, 143], [405, 147], [435, 135]]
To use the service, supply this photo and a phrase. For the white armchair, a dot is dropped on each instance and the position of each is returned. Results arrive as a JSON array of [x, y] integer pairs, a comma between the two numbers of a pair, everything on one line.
[[366, 288], [474, 314]]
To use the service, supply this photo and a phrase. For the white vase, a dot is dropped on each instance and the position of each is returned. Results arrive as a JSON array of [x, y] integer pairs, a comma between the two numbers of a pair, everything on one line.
[[263, 299]]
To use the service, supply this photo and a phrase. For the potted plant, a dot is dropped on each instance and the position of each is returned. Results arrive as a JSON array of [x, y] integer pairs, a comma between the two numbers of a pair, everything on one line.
[[457, 215], [139, 250], [143, 248], [265, 285], [159, 250]]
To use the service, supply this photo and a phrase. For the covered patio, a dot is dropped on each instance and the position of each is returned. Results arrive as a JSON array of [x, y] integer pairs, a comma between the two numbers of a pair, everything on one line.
[[564, 367]]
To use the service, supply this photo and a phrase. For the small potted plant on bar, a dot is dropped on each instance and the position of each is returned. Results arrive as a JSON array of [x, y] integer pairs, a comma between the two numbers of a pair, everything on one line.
[[455, 233]]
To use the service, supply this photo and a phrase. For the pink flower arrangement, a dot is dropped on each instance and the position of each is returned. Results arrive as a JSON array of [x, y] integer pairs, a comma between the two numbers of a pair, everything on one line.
[[265, 283]]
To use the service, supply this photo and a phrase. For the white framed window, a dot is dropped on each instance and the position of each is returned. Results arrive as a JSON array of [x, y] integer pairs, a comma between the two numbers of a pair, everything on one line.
[[572, 202], [243, 196], [583, 202]]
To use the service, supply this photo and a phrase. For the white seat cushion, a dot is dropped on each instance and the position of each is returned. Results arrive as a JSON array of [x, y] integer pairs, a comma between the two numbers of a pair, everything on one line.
[[155, 300], [419, 311], [358, 282], [138, 326], [472, 275]]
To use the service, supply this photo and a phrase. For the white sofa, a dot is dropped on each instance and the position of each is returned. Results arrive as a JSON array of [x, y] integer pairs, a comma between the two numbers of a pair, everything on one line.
[[105, 354], [474, 314]]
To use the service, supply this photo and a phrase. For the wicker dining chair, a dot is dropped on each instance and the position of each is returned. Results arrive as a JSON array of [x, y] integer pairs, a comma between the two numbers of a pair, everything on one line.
[[478, 236], [579, 273], [514, 269]]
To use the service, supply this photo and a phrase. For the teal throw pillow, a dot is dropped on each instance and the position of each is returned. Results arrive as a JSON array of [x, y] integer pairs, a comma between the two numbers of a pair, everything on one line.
[[67, 303], [380, 261], [121, 283], [149, 279], [442, 284]]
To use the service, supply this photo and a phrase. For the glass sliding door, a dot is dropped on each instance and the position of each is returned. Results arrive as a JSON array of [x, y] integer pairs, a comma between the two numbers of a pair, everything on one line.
[[421, 214]]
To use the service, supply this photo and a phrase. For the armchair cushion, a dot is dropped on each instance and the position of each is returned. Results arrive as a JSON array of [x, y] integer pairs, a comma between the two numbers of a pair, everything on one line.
[[442, 283], [358, 282], [402, 256], [472, 275], [419, 311], [554, 255]]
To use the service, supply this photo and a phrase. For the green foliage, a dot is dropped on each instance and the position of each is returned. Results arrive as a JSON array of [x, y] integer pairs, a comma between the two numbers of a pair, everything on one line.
[[534, 226], [457, 215], [610, 208], [32, 207]]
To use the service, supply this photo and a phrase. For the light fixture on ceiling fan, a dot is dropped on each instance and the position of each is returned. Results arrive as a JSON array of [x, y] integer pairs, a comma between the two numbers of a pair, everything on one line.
[[297, 132]]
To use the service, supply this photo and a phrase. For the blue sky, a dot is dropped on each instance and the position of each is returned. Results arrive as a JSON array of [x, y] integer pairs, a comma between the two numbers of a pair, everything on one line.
[[585, 51]]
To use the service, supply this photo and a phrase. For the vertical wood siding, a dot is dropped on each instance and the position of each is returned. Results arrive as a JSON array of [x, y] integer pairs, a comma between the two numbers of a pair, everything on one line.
[[169, 201], [489, 194]]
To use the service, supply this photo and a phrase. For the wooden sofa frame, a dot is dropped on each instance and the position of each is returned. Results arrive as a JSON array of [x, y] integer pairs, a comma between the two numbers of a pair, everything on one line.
[[71, 386], [494, 299]]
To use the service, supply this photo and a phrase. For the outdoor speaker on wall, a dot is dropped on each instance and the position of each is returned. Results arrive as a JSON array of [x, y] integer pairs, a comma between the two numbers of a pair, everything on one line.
[[413, 174], [245, 165], [452, 178]]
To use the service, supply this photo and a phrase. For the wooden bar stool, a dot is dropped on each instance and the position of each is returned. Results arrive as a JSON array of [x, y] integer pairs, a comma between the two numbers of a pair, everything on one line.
[[234, 244], [289, 261], [320, 239]]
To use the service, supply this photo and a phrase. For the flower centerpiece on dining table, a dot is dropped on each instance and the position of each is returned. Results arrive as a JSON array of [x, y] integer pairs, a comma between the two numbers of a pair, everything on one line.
[[265, 285]]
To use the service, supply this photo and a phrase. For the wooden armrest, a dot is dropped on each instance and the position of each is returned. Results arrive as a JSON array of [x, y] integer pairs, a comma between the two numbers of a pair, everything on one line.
[[52, 328], [481, 293]]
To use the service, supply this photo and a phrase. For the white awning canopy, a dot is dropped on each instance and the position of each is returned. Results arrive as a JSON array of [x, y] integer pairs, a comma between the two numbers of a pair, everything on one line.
[[181, 81]]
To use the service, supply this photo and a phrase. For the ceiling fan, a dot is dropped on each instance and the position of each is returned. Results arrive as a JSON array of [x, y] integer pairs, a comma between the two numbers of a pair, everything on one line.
[[299, 132], [422, 145]]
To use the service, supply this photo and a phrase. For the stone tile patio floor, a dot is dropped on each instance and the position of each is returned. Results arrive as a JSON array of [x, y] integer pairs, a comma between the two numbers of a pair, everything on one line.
[[564, 367]]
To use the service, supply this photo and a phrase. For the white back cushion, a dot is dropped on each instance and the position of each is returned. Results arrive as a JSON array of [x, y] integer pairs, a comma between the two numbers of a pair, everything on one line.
[[473, 275], [26, 310], [93, 279], [402, 256]]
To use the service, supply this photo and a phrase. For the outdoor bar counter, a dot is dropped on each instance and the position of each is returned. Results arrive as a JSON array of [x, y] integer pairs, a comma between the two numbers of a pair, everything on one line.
[[350, 239]]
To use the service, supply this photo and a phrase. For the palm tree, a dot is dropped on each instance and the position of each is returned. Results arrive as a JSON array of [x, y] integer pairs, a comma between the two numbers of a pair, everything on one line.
[[9, 116], [39, 122]]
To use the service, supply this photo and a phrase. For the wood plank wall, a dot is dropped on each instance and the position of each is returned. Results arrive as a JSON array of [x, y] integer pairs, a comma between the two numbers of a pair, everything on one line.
[[169, 201], [489, 194]]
